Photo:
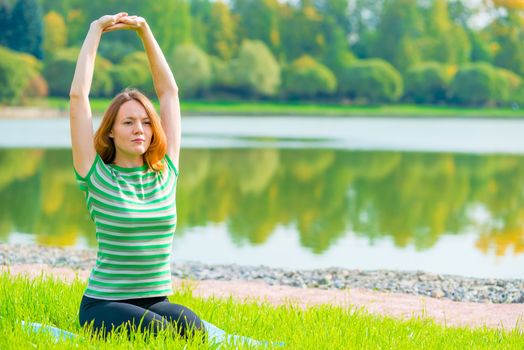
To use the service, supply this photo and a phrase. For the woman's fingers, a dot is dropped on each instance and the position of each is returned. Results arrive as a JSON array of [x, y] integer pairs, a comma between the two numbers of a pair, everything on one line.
[[108, 20], [117, 26], [128, 19], [123, 21]]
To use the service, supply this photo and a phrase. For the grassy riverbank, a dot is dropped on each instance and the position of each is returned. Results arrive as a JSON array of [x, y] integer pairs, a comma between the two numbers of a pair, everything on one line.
[[56, 303], [301, 108]]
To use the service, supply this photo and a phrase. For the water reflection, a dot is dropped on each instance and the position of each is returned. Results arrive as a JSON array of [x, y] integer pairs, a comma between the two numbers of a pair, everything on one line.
[[412, 198]]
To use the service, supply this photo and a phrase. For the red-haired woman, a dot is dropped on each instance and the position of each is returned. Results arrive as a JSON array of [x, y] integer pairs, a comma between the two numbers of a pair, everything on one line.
[[128, 171]]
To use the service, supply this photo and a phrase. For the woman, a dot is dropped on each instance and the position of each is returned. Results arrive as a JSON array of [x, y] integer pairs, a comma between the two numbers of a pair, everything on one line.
[[128, 171]]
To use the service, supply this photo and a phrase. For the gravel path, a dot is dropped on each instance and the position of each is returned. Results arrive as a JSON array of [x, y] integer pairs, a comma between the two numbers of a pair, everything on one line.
[[456, 288]]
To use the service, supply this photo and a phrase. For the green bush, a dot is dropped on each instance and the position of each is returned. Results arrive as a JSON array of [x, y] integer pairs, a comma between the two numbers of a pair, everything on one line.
[[481, 84], [306, 77], [220, 75], [255, 69], [132, 72], [510, 87], [192, 69], [373, 80], [60, 68], [15, 75], [427, 83], [36, 87]]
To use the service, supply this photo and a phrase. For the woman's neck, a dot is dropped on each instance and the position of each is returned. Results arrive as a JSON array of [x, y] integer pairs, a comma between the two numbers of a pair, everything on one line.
[[128, 162]]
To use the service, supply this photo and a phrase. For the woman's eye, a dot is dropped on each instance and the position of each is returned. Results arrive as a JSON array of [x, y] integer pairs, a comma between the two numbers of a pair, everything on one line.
[[127, 123]]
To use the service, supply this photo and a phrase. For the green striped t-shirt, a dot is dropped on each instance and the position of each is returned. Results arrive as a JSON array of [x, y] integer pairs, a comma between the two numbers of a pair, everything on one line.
[[135, 217]]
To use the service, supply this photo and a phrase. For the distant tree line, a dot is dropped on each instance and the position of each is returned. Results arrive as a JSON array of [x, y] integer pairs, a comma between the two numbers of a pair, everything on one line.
[[351, 51]]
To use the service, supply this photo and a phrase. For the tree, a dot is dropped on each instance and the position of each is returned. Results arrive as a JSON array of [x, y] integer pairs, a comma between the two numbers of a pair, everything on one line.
[[259, 20], [14, 76], [511, 52], [445, 41], [55, 33], [476, 84], [308, 78], [200, 17], [256, 69], [5, 23], [302, 32], [398, 33], [133, 72], [61, 67], [192, 68], [27, 28], [364, 17], [180, 23], [222, 31], [170, 21], [336, 54], [427, 83], [508, 34], [374, 80]]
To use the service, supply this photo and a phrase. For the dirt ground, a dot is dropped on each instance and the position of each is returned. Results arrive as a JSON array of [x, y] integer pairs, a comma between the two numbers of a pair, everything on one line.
[[402, 306]]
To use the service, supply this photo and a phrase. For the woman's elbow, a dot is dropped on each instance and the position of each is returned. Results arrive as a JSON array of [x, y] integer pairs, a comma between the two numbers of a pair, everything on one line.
[[75, 94]]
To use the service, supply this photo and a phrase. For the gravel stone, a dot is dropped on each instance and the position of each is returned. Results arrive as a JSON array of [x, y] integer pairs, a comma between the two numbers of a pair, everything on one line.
[[457, 288]]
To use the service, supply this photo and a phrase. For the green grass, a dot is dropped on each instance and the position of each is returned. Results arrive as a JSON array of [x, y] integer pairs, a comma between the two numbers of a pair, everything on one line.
[[52, 302], [304, 109]]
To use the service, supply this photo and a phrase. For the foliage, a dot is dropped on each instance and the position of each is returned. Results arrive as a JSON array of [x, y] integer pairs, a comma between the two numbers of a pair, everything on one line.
[[508, 33], [260, 20], [306, 77], [444, 41], [427, 83], [477, 84], [5, 23], [510, 88], [55, 31], [374, 80], [37, 85], [60, 68], [404, 33], [399, 33], [27, 28], [132, 72], [221, 77], [222, 31], [255, 69], [13, 77], [192, 69], [481, 48], [301, 31]]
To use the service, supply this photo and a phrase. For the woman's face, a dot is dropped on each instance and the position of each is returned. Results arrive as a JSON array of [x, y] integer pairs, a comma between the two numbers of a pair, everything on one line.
[[132, 130]]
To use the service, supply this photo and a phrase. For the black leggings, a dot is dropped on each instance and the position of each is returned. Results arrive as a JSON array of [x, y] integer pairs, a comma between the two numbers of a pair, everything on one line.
[[157, 313]]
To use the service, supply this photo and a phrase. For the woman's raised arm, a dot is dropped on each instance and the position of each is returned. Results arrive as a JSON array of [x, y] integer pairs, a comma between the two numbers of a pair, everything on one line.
[[79, 110], [163, 80]]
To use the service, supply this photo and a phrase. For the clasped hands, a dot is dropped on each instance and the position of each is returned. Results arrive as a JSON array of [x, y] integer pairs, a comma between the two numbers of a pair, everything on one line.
[[122, 20]]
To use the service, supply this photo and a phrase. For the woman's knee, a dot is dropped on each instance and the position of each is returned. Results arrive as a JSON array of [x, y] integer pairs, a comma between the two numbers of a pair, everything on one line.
[[109, 318], [184, 319]]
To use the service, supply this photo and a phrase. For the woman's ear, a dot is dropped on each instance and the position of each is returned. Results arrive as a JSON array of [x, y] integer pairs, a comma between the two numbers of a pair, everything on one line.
[[111, 134]]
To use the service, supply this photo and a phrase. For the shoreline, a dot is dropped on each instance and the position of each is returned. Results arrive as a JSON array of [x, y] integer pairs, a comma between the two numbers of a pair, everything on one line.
[[48, 112], [414, 283]]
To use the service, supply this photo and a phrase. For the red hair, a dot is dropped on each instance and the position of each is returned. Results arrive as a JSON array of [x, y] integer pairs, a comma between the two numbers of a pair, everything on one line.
[[104, 145]]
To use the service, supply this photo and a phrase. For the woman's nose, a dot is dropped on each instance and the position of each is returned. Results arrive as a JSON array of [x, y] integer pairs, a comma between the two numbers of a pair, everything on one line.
[[139, 128]]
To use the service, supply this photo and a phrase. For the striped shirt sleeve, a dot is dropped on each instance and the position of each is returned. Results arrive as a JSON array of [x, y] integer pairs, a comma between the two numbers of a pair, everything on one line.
[[83, 181], [171, 164]]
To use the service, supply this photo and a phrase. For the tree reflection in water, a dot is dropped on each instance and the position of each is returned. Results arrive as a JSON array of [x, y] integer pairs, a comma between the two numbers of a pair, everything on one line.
[[413, 198]]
